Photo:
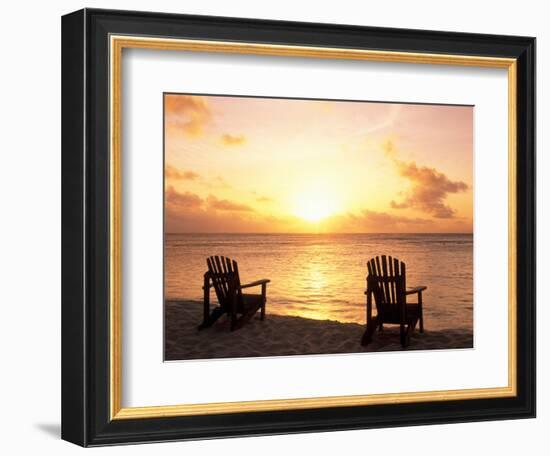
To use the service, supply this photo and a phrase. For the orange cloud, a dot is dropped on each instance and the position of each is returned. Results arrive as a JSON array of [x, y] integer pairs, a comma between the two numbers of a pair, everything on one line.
[[230, 140], [189, 213], [177, 200], [226, 205], [377, 219], [429, 187], [173, 173], [188, 113], [368, 221]]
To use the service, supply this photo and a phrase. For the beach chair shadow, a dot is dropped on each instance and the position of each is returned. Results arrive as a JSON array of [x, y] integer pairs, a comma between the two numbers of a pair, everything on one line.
[[223, 276], [386, 283]]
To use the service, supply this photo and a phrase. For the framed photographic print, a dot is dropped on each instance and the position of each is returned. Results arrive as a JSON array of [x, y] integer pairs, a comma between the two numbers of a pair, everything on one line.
[[279, 227]]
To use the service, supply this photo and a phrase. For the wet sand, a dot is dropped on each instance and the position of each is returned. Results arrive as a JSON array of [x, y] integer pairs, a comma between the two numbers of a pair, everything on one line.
[[281, 335]]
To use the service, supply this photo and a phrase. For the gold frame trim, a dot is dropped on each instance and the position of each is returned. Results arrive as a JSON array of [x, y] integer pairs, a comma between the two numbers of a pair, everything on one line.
[[116, 45]]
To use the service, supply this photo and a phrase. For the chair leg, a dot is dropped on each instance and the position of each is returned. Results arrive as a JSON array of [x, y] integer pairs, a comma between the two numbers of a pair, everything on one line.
[[212, 318], [366, 338], [239, 322], [403, 335], [262, 310], [409, 329], [421, 313], [371, 328]]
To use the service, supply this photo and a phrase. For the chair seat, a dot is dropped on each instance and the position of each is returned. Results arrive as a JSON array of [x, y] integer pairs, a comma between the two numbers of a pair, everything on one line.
[[413, 313], [251, 302]]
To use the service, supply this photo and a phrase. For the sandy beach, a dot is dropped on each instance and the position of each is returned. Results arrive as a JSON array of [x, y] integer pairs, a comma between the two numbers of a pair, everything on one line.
[[281, 335]]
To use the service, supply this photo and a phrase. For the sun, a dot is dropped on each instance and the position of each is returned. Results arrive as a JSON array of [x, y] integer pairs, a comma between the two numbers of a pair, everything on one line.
[[315, 206]]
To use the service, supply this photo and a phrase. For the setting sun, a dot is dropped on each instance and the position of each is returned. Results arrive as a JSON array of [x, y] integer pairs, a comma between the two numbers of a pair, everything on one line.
[[314, 206]]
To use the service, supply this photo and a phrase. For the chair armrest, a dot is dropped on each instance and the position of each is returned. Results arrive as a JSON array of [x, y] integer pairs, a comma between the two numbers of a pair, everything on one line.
[[414, 290], [256, 283]]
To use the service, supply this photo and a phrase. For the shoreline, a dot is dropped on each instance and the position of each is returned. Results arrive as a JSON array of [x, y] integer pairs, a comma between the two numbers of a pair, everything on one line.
[[281, 335]]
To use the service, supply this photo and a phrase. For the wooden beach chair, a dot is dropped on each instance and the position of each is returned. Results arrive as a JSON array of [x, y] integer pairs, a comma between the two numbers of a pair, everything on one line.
[[223, 276], [386, 282]]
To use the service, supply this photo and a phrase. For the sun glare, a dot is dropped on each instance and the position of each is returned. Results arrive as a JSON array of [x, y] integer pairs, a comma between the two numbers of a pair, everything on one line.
[[314, 206]]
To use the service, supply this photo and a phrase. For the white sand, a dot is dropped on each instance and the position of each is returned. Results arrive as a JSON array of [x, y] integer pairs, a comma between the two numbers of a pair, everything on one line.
[[284, 335]]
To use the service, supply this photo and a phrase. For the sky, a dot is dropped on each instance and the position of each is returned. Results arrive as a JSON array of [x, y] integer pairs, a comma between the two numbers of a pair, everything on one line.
[[265, 165]]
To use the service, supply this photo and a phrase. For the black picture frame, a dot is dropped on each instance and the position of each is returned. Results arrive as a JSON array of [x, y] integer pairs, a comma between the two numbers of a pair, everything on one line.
[[85, 228]]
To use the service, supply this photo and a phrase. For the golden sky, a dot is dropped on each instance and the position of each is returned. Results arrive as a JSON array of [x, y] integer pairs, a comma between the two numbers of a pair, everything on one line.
[[259, 165]]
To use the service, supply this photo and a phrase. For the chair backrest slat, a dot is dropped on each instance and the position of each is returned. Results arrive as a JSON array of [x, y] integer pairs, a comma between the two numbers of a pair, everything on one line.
[[216, 279], [223, 283], [392, 284], [396, 272], [386, 286]]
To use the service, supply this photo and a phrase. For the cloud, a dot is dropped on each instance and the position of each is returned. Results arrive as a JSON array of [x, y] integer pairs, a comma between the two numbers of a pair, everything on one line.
[[188, 200], [177, 200], [369, 221], [170, 172], [226, 205], [221, 182], [264, 199], [188, 113], [189, 213], [375, 218], [429, 187], [231, 140]]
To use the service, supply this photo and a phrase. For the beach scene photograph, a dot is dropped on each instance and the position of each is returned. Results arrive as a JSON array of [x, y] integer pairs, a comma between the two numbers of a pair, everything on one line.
[[310, 227]]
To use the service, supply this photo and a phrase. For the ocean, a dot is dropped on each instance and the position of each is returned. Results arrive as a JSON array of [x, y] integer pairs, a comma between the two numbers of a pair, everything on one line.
[[322, 276]]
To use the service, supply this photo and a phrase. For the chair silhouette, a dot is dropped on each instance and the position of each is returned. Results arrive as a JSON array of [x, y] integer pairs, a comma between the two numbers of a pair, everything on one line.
[[223, 276], [386, 283]]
